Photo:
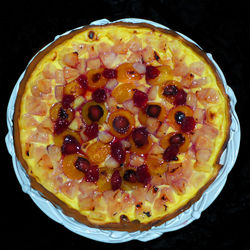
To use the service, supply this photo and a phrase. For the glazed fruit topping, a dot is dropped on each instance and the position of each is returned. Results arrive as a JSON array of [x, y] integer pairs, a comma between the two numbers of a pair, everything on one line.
[[140, 136], [153, 110], [99, 95], [70, 145], [177, 139], [170, 154], [67, 100], [143, 175], [121, 124], [180, 97], [116, 180], [117, 152], [130, 176], [140, 98], [82, 164], [170, 90], [95, 112], [83, 81], [188, 124], [109, 73], [92, 174], [91, 131], [151, 72], [179, 117]]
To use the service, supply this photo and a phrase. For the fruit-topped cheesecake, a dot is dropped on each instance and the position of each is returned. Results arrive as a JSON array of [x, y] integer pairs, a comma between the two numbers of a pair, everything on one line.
[[122, 125]]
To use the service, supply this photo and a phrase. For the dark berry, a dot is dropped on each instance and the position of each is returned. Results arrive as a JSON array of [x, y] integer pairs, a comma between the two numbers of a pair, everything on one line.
[[95, 112], [130, 176], [140, 136], [179, 117], [153, 110], [151, 72], [82, 164], [99, 95], [62, 114], [67, 100], [143, 175], [109, 73], [116, 180], [91, 131], [121, 124], [92, 174], [170, 90], [117, 152], [188, 124], [140, 98], [83, 81], [70, 145], [177, 139], [180, 97], [61, 125], [170, 154]]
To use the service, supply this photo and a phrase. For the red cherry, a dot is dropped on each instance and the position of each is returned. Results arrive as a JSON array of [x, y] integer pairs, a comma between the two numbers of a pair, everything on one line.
[[151, 72], [70, 145], [67, 100], [91, 131], [116, 180], [109, 73], [171, 152], [180, 97], [83, 81], [92, 174], [82, 164], [99, 95], [140, 98], [143, 175], [117, 152], [140, 136], [188, 124]]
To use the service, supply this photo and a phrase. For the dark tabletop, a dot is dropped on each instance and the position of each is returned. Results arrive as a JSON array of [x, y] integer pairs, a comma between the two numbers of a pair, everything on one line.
[[219, 27]]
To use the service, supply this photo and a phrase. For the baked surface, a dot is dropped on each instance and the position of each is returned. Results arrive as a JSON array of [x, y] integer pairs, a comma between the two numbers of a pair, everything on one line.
[[121, 125]]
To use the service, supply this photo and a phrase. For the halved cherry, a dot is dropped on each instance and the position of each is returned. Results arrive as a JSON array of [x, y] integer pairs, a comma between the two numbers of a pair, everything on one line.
[[121, 123], [70, 145], [94, 112], [74, 88], [169, 90], [96, 78], [164, 75], [69, 166], [61, 116], [126, 73], [154, 110], [177, 138], [58, 139], [143, 149], [123, 92], [177, 114]]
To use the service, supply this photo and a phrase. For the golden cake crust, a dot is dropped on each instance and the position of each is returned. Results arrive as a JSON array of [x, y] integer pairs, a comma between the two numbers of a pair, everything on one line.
[[125, 224]]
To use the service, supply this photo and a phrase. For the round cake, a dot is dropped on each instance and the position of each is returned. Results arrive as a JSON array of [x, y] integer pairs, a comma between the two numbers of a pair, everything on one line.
[[121, 125]]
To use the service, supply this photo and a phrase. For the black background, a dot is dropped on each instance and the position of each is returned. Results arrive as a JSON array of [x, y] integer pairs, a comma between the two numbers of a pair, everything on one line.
[[219, 27]]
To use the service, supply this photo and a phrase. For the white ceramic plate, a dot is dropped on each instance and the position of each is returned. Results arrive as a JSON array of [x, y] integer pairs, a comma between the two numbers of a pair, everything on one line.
[[228, 159]]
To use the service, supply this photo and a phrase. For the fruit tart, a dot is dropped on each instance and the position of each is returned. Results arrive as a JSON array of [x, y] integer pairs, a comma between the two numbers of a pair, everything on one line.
[[121, 125]]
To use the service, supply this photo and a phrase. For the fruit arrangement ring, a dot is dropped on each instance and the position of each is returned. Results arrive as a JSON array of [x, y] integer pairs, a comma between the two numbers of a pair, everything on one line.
[[121, 125]]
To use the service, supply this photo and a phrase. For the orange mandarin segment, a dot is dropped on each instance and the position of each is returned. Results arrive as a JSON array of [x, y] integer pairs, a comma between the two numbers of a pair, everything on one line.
[[73, 88]]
